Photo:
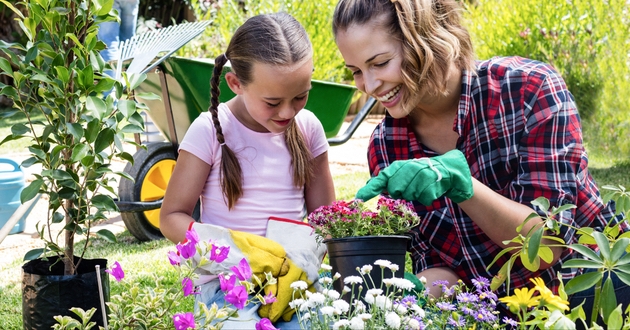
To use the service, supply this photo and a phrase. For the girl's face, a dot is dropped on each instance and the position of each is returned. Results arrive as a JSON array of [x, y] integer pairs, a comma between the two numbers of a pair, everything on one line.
[[274, 96], [375, 57]]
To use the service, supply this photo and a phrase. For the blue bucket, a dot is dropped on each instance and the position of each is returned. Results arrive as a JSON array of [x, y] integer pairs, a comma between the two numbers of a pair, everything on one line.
[[11, 184]]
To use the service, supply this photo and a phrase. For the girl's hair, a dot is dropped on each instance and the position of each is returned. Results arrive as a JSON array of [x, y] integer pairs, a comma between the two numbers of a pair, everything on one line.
[[276, 39], [431, 34]]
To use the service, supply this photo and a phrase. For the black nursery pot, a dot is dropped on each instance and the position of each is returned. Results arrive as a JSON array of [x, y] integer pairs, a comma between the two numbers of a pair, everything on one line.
[[46, 292], [347, 254]]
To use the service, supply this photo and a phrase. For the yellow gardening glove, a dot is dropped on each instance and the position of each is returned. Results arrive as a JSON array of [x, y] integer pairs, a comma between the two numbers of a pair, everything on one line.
[[263, 254], [284, 294]]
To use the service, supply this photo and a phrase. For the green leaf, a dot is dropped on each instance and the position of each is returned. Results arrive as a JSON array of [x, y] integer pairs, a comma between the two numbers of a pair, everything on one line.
[[104, 202], [63, 74], [105, 139], [608, 299], [530, 265], [130, 128], [5, 66], [107, 235], [586, 251], [582, 263], [542, 203], [618, 249], [10, 6], [603, 244], [96, 106], [30, 191], [583, 282], [33, 254], [546, 254], [534, 245], [127, 107], [19, 129], [136, 79], [624, 277], [615, 319], [76, 130], [79, 152], [148, 96], [92, 130]]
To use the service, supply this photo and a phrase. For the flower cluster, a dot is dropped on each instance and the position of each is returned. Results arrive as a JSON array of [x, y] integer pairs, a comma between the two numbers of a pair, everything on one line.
[[134, 308], [352, 218], [398, 304]]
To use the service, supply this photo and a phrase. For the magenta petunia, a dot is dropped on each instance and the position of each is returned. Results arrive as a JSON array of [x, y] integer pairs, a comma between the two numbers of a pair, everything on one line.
[[184, 321], [237, 296], [116, 271], [186, 250], [265, 324], [242, 271], [227, 283], [173, 258], [187, 287], [219, 253]]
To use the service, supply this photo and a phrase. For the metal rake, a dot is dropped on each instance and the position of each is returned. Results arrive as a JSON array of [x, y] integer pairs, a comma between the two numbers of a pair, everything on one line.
[[143, 49]]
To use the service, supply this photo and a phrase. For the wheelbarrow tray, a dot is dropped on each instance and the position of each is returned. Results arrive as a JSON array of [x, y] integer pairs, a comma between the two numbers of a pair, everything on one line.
[[188, 85]]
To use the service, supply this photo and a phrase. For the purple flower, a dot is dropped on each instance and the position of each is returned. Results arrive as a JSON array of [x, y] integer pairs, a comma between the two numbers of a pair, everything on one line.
[[480, 283], [186, 250], [227, 283], [445, 306], [242, 271], [265, 324], [440, 282], [460, 322], [187, 287], [269, 298], [466, 297], [116, 271], [237, 296], [192, 237], [173, 258], [510, 321], [219, 253], [184, 321]]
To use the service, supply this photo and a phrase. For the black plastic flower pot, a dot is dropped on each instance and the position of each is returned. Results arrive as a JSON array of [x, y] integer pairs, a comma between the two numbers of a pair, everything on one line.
[[347, 254], [46, 292]]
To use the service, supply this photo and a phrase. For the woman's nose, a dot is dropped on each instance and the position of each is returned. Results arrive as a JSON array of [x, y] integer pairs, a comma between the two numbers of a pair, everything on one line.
[[371, 83]]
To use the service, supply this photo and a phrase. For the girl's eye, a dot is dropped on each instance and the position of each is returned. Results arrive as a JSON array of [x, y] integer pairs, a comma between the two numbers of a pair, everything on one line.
[[381, 64], [354, 73], [273, 105], [300, 98]]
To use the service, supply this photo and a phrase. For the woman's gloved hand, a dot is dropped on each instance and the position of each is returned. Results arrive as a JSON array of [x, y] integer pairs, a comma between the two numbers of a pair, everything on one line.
[[423, 180]]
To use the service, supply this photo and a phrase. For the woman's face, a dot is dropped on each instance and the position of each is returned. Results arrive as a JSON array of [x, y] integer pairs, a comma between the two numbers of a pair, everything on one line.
[[274, 96], [375, 58]]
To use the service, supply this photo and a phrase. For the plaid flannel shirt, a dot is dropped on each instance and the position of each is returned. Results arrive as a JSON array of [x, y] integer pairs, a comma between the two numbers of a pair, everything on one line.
[[519, 129]]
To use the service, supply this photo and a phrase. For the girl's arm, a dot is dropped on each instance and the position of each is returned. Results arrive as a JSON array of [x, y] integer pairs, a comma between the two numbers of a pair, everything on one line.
[[182, 194], [320, 191]]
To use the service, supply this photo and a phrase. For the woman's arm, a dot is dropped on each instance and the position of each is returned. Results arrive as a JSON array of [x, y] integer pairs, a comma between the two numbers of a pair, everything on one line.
[[321, 190], [182, 194]]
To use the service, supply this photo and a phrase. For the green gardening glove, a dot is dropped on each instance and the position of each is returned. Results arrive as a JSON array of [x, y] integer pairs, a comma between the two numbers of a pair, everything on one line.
[[423, 180]]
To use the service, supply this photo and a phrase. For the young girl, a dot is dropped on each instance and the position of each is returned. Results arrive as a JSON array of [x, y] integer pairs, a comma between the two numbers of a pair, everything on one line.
[[260, 154], [472, 143]]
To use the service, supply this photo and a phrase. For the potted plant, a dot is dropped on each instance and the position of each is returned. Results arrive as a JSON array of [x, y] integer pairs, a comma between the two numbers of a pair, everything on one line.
[[355, 236], [58, 83]]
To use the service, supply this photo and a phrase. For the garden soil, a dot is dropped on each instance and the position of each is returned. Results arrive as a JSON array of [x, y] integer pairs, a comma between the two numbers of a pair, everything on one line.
[[349, 157]]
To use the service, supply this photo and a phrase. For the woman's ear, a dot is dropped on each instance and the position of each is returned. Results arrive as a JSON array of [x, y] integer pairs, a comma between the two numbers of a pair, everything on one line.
[[234, 83]]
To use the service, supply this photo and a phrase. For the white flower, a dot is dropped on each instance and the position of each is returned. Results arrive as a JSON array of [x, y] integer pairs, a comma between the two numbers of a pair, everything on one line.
[[413, 324], [357, 324], [359, 307], [366, 269], [296, 303], [423, 280], [325, 280], [353, 280], [317, 298], [326, 267], [392, 320], [305, 317], [418, 311], [388, 281], [327, 310], [365, 316], [374, 292], [336, 276], [403, 283], [369, 299], [393, 267], [299, 285], [401, 309], [341, 306], [383, 302], [341, 323], [332, 294], [346, 289], [382, 263]]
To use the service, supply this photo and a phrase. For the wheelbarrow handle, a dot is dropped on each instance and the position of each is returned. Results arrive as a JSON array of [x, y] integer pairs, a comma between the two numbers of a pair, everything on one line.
[[131, 206], [358, 119]]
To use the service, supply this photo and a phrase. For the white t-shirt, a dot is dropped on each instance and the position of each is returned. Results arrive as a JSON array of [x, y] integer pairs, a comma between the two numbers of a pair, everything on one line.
[[268, 188]]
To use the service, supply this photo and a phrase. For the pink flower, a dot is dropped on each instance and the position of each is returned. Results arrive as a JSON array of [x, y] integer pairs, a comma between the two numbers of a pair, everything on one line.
[[187, 287], [269, 298], [186, 250], [116, 271], [265, 324], [227, 283], [173, 258], [242, 271], [192, 237], [219, 253], [237, 296], [184, 321]]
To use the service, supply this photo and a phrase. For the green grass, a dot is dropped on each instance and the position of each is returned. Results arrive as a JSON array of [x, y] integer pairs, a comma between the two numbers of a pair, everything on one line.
[[5, 130]]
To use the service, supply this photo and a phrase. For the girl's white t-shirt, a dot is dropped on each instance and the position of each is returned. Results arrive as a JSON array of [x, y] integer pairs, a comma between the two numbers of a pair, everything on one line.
[[268, 188]]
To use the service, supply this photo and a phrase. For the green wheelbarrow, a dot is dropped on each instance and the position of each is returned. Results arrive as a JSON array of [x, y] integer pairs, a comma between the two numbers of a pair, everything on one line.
[[184, 85]]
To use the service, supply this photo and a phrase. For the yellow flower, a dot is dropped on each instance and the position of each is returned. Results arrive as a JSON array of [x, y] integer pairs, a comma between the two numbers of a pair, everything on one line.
[[547, 298], [522, 299]]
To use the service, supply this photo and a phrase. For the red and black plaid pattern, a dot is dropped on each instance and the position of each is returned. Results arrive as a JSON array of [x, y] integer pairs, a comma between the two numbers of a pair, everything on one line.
[[520, 131]]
